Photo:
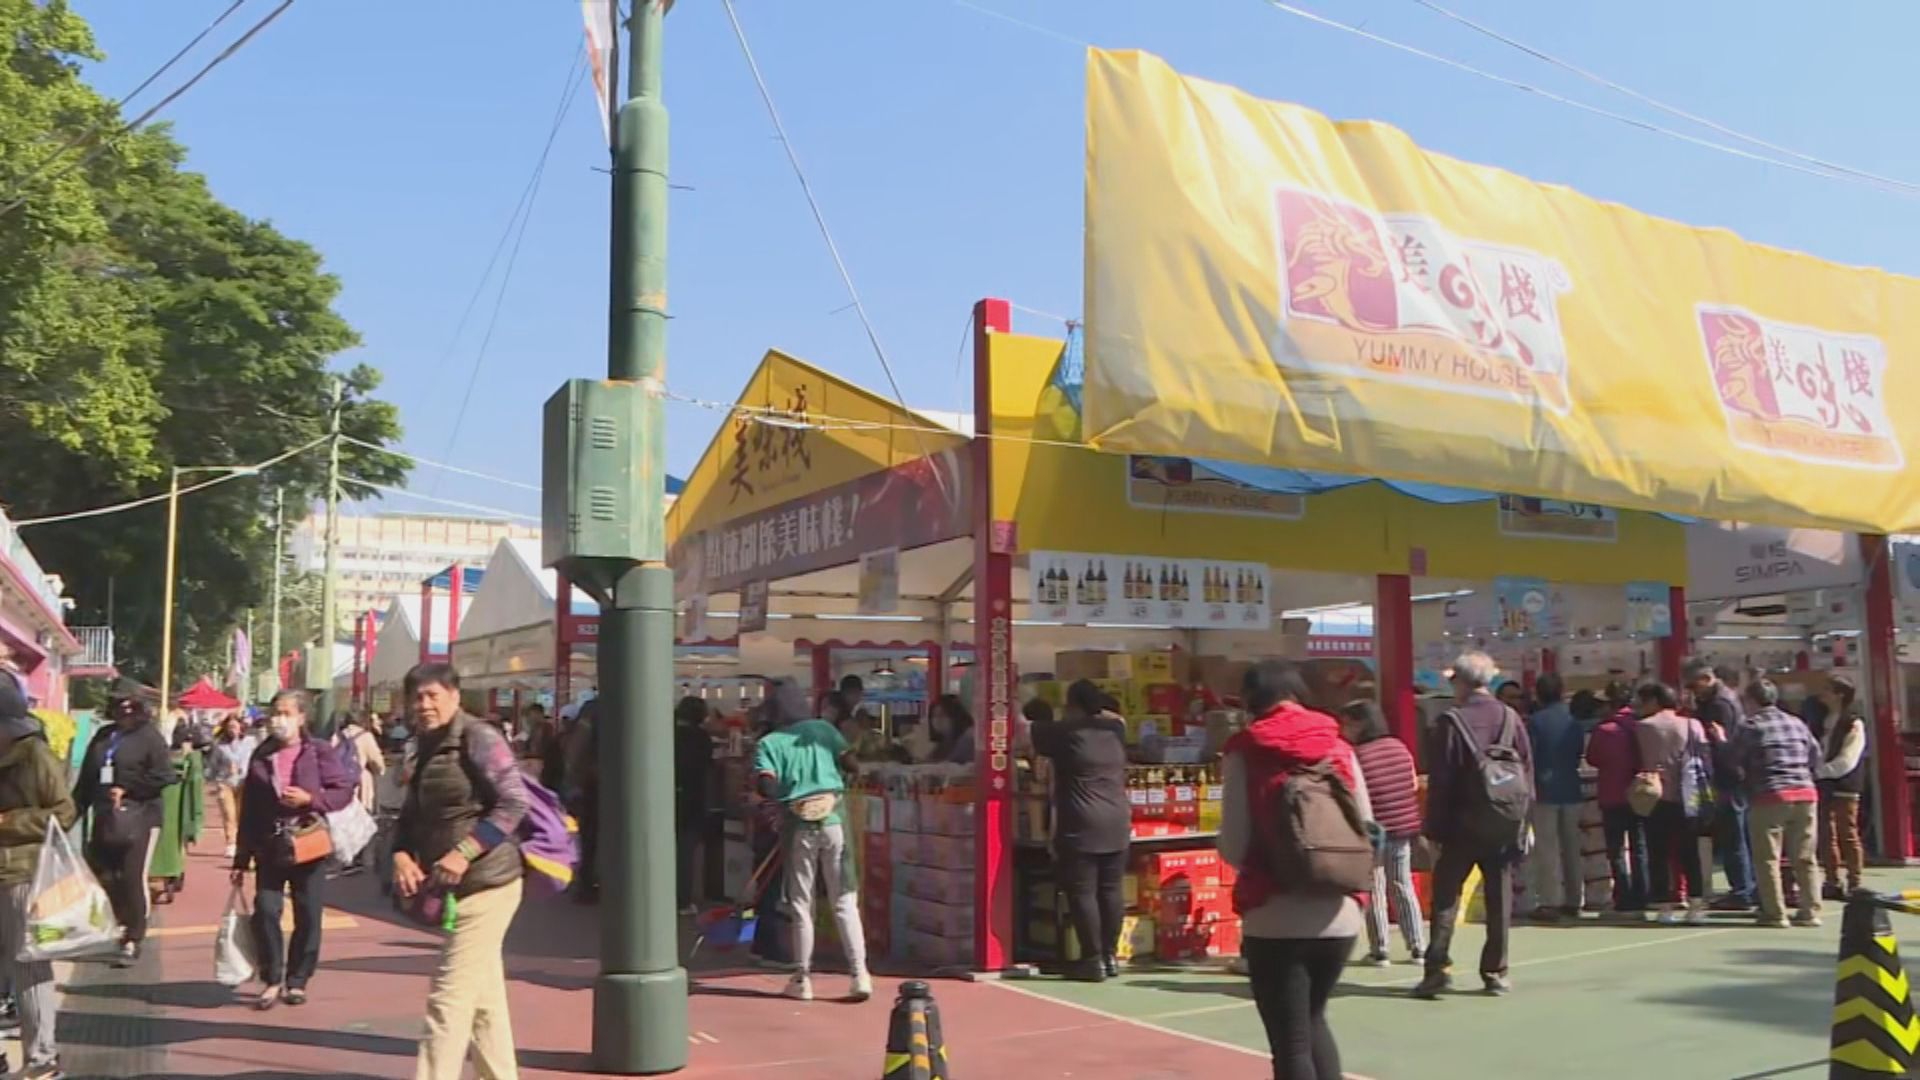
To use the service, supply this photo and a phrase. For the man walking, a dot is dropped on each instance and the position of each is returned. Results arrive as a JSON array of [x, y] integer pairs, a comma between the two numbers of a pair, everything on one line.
[[1776, 756], [1718, 709], [1479, 797], [1558, 881], [797, 765]]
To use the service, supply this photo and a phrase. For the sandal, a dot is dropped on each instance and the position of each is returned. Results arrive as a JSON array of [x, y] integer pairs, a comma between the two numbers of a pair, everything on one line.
[[268, 999]]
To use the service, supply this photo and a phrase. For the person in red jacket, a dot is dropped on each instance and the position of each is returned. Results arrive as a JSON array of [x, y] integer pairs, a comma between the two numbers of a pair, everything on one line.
[[1394, 788], [1613, 752]]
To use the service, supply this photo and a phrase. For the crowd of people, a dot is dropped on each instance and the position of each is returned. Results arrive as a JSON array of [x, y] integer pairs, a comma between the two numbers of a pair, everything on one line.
[[1719, 757]]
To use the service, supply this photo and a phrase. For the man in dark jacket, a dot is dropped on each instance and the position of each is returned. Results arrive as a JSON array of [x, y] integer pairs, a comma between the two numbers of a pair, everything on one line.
[[33, 793], [1478, 720], [1718, 709], [122, 779]]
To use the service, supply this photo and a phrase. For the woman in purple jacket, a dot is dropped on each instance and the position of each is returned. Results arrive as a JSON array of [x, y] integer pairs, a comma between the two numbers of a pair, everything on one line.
[[293, 780]]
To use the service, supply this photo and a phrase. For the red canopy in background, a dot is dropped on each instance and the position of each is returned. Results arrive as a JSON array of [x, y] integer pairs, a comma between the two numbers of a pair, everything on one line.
[[205, 695]]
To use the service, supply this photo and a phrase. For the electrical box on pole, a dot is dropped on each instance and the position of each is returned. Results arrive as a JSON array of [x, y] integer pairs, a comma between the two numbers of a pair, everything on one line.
[[596, 473]]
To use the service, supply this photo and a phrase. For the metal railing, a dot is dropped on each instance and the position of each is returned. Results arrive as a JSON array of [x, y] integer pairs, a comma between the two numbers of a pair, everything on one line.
[[96, 647], [15, 549]]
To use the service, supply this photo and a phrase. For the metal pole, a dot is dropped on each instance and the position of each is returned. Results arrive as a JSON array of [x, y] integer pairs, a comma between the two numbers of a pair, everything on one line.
[[279, 564], [640, 996], [166, 602], [329, 598]]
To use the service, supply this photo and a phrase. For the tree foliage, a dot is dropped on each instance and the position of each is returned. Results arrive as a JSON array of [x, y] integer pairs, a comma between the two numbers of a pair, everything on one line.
[[145, 325]]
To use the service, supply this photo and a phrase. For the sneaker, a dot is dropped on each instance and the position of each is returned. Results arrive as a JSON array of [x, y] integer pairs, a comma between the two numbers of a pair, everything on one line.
[[861, 988], [1435, 984], [1419, 956], [1771, 924], [1497, 983], [1667, 917], [1807, 920], [49, 1070], [800, 987], [232, 851], [1237, 965], [1110, 966], [1697, 916], [129, 954], [1377, 959]]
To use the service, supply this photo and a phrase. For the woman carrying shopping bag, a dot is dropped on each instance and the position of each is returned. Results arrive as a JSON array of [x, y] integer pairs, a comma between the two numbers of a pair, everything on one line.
[[33, 792], [294, 780]]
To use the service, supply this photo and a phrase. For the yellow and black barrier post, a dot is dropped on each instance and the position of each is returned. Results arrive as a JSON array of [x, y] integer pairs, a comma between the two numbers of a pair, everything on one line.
[[1875, 1032], [915, 1048]]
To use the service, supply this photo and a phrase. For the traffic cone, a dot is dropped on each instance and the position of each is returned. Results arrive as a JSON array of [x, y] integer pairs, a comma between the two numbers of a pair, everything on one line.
[[1875, 1032], [915, 1050]]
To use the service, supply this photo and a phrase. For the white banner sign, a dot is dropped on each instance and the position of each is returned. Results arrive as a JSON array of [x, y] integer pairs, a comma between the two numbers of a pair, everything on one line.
[[880, 582], [1198, 594], [1726, 561]]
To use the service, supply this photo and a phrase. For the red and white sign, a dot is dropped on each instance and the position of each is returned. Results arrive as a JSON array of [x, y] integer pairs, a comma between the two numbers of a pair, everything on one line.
[[1799, 392], [1412, 303], [1340, 646]]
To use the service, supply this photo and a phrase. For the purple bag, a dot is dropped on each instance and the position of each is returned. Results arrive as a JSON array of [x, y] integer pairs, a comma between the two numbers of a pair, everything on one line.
[[548, 839]]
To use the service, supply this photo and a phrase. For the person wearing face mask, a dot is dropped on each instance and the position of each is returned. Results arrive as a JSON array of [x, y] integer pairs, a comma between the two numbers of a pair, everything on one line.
[[952, 731], [122, 780], [294, 776]]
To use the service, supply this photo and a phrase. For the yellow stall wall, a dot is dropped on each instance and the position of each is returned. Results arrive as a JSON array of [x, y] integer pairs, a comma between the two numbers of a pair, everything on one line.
[[1070, 498]]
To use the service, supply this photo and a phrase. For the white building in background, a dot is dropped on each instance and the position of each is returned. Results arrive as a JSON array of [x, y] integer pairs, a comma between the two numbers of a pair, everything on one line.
[[385, 555]]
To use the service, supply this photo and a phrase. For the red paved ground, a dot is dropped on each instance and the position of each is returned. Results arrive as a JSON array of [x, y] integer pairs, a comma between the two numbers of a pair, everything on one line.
[[167, 1018]]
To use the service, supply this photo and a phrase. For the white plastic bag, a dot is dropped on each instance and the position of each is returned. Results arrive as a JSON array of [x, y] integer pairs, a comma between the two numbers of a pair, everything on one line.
[[233, 946], [68, 914], [351, 830]]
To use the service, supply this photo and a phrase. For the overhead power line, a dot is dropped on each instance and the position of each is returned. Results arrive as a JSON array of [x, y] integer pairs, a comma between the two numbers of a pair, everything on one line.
[[148, 500], [1896, 186], [97, 126], [401, 492], [1648, 100], [521, 216], [21, 196], [455, 469], [819, 216]]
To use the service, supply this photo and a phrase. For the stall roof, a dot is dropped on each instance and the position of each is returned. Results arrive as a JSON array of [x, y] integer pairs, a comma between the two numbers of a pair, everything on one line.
[[397, 645], [517, 592]]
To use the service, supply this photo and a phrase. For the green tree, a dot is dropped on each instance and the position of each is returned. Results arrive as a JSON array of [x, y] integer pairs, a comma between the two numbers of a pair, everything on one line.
[[143, 325]]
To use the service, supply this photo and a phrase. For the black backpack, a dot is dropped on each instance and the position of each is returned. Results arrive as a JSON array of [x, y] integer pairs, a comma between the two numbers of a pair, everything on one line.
[[1497, 799]]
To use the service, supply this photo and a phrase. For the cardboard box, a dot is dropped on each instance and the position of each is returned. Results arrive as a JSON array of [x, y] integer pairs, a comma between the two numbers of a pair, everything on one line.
[[1076, 664], [941, 920], [1181, 908], [1157, 666], [1165, 699], [1205, 942]]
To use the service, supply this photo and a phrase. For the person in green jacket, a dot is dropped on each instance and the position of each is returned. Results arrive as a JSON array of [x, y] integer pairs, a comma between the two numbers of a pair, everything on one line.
[[183, 809], [33, 792]]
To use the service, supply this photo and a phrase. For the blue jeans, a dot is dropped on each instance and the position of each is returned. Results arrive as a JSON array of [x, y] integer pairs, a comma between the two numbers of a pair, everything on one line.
[[1731, 845]]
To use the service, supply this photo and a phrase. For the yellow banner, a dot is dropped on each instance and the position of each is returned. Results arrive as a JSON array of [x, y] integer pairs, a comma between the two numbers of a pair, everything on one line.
[[1268, 286], [797, 430]]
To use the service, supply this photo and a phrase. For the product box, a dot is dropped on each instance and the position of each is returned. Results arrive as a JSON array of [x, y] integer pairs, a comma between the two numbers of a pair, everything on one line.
[[1153, 830], [937, 951], [1162, 869], [1167, 699], [1130, 889], [945, 852], [1136, 937], [940, 816], [903, 814], [1204, 942], [1180, 908], [1051, 691], [1076, 664], [1207, 817], [1220, 675]]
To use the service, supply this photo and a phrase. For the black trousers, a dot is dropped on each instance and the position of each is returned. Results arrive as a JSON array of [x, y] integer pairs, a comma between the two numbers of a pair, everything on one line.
[[685, 841], [1670, 836], [282, 963], [586, 877], [123, 874], [1496, 888], [1292, 979], [1626, 856], [1095, 902]]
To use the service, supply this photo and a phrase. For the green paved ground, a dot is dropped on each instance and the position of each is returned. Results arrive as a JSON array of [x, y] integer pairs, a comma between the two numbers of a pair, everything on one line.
[[1610, 1002]]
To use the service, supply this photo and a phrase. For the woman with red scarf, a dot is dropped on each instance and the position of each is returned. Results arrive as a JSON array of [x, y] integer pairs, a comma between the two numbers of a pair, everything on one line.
[[1296, 943]]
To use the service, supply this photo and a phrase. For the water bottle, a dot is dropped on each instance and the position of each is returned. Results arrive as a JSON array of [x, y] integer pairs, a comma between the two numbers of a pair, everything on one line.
[[449, 914]]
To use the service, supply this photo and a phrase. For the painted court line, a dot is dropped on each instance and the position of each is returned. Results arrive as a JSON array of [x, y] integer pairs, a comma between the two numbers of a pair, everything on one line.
[[1136, 1022], [1411, 980]]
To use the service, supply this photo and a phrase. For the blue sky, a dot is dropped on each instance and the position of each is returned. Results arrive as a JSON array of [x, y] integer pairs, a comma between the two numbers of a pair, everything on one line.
[[946, 148]]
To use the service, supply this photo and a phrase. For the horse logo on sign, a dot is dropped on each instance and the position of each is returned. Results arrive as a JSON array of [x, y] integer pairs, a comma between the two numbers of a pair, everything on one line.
[[1799, 392]]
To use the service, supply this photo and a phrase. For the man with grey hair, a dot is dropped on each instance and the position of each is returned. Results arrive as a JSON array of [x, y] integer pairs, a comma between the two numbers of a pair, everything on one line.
[[1479, 798], [1717, 707], [1775, 755]]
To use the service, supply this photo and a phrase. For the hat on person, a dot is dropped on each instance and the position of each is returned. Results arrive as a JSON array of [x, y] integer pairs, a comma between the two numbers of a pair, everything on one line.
[[15, 721]]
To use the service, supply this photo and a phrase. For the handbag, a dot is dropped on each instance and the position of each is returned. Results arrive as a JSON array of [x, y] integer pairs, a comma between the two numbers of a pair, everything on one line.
[[1645, 792], [350, 831], [115, 829], [302, 840]]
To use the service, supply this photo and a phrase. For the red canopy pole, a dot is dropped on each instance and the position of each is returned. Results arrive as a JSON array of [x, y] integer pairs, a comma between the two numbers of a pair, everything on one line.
[[426, 620], [455, 591], [993, 664]]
